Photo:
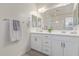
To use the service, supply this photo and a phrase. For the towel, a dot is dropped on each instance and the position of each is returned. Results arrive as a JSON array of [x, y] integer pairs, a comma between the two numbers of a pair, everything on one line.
[[15, 30]]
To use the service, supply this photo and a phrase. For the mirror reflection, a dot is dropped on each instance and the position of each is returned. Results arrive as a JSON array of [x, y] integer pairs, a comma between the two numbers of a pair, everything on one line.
[[55, 16]]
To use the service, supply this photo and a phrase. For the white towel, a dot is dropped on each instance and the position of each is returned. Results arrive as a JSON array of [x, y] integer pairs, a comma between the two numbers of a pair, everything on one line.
[[15, 30]]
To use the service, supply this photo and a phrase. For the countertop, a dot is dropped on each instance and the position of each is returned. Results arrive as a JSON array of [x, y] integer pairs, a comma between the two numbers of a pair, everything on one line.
[[58, 32]]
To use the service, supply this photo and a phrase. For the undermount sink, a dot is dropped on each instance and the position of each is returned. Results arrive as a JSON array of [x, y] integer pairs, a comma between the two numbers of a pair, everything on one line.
[[69, 32], [73, 32], [63, 31]]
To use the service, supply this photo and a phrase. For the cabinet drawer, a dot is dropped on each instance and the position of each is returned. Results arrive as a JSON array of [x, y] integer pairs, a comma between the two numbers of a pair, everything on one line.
[[46, 50], [46, 36], [36, 35], [47, 44], [46, 47], [46, 40]]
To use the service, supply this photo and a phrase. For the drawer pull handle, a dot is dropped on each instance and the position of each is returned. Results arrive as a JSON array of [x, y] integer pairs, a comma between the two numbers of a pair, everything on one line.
[[63, 45], [46, 36], [46, 42], [46, 50], [35, 39]]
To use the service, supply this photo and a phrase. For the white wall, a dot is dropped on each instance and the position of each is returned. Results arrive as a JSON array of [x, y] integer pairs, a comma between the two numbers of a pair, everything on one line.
[[19, 12]]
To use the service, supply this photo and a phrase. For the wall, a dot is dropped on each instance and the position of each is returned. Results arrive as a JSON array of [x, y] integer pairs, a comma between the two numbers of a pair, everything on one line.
[[19, 12]]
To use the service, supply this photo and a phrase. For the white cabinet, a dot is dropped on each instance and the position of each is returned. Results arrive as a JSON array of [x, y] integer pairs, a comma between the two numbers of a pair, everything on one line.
[[55, 45], [71, 46], [64, 46], [46, 44], [57, 49], [36, 42], [71, 49], [60, 48], [41, 43]]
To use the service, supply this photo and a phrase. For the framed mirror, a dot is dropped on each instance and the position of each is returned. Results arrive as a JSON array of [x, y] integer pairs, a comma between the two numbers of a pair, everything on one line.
[[63, 17], [34, 21]]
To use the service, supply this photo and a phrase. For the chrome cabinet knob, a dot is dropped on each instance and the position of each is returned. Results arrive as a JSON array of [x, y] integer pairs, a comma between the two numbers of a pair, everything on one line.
[[35, 39]]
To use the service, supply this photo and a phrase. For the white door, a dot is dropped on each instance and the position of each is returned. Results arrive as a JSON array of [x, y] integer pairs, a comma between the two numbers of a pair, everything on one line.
[[36, 42], [71, 49], [57, 50]]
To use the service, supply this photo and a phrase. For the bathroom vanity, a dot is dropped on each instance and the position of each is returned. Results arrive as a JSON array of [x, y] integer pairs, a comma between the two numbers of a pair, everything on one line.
[[55, 43]]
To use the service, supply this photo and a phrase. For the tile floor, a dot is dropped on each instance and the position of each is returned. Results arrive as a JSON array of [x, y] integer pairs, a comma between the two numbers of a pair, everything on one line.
[[34, 53]]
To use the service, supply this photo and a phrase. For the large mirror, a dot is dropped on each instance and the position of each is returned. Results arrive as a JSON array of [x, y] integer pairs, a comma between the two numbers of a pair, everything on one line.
[[56, 16]]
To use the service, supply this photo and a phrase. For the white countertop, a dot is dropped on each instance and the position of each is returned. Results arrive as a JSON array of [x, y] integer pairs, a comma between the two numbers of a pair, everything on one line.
[[58, 32]]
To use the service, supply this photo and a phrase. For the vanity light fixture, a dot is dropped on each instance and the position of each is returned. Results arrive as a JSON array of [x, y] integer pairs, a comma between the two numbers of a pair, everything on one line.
[[42, 10], [56, 22], [33, 13]]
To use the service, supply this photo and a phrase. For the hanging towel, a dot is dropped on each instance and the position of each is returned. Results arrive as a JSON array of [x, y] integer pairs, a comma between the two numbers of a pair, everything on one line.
[[15, 30], [16, 25]]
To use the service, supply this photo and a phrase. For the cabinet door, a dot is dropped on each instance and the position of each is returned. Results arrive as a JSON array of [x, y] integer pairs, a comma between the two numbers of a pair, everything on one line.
[[36, 42], [71, 49], [57, 50]]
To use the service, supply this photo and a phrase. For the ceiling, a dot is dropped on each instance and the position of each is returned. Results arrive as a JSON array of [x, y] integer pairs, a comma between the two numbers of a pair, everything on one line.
[[47, 5], [53, 11], [61, 10]]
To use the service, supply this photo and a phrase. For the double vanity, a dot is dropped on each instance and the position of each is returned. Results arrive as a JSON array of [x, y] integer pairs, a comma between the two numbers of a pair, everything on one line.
[[56, 43], [63, 40]]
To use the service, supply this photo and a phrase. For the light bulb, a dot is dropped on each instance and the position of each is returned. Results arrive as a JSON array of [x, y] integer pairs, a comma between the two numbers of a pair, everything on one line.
[[57, 22]]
